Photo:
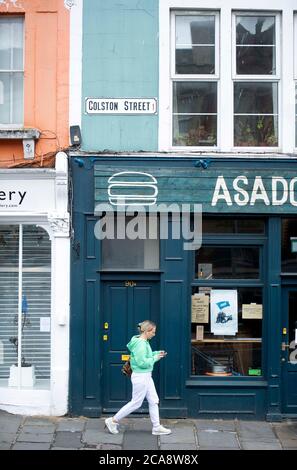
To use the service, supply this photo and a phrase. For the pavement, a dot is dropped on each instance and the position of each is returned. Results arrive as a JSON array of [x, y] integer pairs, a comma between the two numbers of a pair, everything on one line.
[[64, 433]]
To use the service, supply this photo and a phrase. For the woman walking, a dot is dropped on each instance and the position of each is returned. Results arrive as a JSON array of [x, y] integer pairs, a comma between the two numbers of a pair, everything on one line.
[[142, 361]]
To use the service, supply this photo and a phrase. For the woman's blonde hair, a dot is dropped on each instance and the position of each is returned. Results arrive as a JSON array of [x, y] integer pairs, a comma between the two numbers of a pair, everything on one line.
[[146, 325]]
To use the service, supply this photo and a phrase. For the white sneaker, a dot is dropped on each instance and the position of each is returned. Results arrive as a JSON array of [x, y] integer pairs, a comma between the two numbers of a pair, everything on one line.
[[112, 426], [161, 431]]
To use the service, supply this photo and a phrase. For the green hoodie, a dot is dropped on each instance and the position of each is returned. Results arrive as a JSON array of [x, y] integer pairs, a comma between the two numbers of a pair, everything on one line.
[[142, 357]]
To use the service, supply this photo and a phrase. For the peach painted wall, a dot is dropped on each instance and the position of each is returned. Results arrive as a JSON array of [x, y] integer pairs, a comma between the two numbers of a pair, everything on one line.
[[46, 79]]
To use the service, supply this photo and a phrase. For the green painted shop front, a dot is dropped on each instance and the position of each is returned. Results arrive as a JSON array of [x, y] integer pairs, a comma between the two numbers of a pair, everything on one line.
[[249, 215]]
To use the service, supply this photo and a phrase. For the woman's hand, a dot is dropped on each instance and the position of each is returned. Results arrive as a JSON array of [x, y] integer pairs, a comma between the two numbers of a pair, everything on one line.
[[162, 354]]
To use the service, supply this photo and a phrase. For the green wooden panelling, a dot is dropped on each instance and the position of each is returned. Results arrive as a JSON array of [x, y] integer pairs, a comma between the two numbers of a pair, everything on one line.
[[266, 191], [120, 60]]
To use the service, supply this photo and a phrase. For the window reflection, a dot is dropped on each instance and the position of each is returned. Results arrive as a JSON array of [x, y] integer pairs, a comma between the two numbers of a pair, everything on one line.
[[255, 45], [195, 44]]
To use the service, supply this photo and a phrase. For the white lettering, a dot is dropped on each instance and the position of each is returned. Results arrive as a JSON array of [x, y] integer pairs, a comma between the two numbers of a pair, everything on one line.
[[276, 180], [261, 195], [221, 185], [245, 200], [292, 192]]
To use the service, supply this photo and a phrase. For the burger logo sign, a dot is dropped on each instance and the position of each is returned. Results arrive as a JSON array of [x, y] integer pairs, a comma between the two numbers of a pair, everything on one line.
[[132, 188]]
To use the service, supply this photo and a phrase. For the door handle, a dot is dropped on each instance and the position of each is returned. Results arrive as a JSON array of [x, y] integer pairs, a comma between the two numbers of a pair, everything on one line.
[[284, 346]]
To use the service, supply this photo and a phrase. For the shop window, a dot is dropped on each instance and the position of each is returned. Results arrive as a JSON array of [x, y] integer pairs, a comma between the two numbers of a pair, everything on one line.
[[224, 226], [25, 306], [194, 79], [219, 262], [256, 101], [289, 245], [11, 70], [138, 249], [226, 331]]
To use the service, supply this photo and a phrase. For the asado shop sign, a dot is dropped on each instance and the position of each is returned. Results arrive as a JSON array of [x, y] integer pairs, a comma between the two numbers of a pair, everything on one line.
[[121, 105]]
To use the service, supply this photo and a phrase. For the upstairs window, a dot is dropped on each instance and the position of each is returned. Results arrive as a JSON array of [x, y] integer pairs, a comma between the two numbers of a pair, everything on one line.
[[195, 73], [256, 75], [11, 71]]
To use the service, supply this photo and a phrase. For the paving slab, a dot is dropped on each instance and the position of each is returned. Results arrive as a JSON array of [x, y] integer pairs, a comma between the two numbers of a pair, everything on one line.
[[47, 429], [72, 425], [4, 446], [108, 447], [94, 437], [256, 431], [31, 446], [7, 437], [139, 440], [68, 439], [175, 446], [97, 424], [31, 420], [217, 440], [10, 424], [180, 434], [215, 424], [257, 445], [30, 437], [64, 448], [286, 431], [288, 444]]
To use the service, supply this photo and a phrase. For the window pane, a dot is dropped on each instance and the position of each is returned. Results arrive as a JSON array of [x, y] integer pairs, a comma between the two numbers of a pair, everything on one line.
[[9, 259], [194, 97], [289, 258], [5, 44], [227, 263], [195, 59], [255, 60], [5, 83], [131, 254], [256, 131], [194, 130], [296, 114], [255, 98], [18, 87], [213, 225], [258, 30], [18, 34], [238, 355], [192, 31], [11, 43]]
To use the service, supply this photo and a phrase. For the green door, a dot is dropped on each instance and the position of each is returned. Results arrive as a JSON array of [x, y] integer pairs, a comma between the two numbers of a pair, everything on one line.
[[289, 351], [125, 304]]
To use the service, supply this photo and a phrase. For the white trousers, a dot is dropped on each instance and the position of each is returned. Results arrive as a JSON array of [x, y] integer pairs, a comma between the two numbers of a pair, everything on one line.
[[142, 387]]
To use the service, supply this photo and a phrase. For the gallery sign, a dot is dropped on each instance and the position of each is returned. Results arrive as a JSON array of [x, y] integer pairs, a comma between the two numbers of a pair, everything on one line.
[[29, 195], [121, 106]]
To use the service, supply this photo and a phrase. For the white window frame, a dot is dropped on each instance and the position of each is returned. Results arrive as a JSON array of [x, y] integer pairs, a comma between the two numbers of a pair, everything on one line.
[[15, 125], [295, 74], [258, 78], [286, 90], [174, 77]]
